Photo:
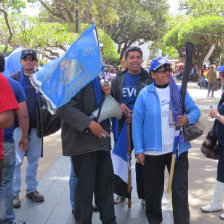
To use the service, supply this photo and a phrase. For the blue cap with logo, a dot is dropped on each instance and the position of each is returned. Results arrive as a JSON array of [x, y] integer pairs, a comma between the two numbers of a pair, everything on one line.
[[157, 62]]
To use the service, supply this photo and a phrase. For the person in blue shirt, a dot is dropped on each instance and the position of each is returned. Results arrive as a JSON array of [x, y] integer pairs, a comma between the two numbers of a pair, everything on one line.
[[157, 112], [125, 87], [6, 188]]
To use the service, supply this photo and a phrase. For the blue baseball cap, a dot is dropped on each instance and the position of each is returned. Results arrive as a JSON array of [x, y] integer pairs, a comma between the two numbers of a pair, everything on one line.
[[220, 68], [157, 62]]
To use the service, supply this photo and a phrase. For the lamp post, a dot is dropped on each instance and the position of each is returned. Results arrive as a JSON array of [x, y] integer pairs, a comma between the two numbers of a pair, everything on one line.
[[76, 18]]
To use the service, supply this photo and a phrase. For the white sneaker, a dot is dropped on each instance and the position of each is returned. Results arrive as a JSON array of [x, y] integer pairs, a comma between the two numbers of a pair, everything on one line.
[[117, 199], [221, 216]]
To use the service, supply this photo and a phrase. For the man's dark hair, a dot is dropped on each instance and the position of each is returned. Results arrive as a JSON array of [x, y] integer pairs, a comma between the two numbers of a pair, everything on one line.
[[134, 48], [2, 63]]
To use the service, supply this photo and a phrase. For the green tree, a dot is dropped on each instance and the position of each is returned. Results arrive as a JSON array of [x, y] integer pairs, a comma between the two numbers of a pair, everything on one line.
[[49, 39], [138, 20], [63, 11], [166, 50], [199, 8], [126, 21], [203, 32], [171, 38], [13, 6]]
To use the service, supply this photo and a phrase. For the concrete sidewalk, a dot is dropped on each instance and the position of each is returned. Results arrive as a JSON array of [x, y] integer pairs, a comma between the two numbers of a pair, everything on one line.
[[57, 210], [55, 174]]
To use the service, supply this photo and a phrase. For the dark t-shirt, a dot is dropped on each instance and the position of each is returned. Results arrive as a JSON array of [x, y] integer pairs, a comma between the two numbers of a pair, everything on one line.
[[129, 89], [31, 99]]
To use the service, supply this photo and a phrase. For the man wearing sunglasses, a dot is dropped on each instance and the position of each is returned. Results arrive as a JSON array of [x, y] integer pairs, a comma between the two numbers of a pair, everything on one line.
[[157, 112], [33, 153]]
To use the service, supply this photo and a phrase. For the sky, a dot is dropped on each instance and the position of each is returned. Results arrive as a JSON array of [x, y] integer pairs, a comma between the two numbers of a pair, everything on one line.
[[31, 10], [173, 6]]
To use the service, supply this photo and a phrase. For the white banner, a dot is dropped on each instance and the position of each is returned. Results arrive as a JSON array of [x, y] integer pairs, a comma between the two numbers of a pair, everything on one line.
[[209, 53]]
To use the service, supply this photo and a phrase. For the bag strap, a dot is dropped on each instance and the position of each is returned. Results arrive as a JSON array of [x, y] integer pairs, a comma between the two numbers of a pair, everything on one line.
[[213, 126]]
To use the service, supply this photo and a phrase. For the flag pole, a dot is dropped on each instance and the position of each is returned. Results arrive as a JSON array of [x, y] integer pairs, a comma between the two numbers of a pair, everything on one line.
[[171, 173], [129, 163], [188, 62], [174, 154]]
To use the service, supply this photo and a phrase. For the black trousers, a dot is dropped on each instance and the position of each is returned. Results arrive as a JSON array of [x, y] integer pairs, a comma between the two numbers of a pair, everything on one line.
[[95, 175], [154, 186], [220, 166], [139, 169]]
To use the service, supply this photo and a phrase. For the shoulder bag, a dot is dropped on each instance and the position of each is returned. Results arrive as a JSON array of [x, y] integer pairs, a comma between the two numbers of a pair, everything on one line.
[[193, 131], [209, 146]]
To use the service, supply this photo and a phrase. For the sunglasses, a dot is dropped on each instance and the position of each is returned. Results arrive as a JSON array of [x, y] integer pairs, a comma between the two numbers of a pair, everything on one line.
[[164, 69], [29, 59]]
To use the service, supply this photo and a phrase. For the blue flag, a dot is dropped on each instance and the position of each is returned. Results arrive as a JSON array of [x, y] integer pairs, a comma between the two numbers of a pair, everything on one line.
[[64, 77], [12, 62], [120, 148], [121, 164]]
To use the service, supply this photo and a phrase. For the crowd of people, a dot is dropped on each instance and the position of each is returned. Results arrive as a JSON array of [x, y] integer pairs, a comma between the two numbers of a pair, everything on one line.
[[208, 77], [150, 103]]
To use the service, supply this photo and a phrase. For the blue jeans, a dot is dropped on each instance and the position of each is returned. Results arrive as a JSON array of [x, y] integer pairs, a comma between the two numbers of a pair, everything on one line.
[[72, 185], [7, 214], [202, 81], [33, 154]]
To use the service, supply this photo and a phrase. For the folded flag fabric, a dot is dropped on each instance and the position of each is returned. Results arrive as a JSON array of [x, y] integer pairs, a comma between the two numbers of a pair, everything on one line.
[[64, 77], [121, 164], [12, 61]]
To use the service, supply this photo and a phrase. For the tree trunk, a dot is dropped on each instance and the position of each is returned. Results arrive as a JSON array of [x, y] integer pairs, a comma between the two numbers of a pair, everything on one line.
[[9, 29]]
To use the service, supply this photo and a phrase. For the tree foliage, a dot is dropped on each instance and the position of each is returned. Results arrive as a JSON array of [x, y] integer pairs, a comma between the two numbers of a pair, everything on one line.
[[13, 6], [63, 11], [49, 39], [126, 21], [199, 8], [203, 32], [138, 20]]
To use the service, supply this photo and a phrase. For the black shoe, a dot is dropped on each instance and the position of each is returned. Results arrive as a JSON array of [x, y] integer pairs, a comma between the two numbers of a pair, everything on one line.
[[16, 202], [35, 196], [20, 222]]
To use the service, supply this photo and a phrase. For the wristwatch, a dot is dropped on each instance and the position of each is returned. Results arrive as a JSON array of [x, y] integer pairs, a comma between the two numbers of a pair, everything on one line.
[[217, 116]]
